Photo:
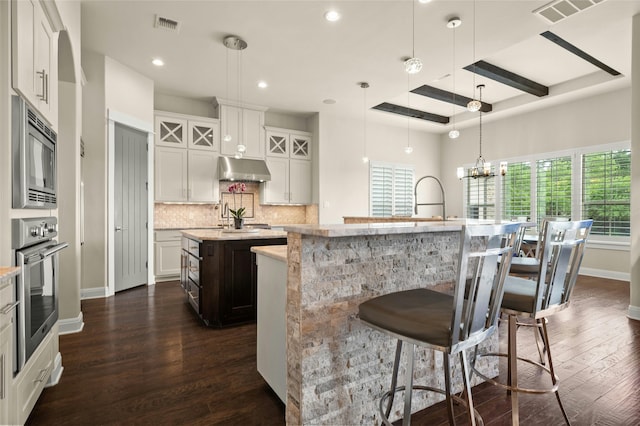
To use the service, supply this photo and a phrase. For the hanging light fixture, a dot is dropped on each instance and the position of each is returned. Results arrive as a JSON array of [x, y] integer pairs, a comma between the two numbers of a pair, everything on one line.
[[474, 104], [408, 149], [413, 65], [454, 23], [364, 85], [481, 168], [238, 44], [227, 137]]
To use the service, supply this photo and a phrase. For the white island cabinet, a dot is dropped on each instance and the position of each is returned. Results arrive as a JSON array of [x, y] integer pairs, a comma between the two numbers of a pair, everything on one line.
[[271, 319]]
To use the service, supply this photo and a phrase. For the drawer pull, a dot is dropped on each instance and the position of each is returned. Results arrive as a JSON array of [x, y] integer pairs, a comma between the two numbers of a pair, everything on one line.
[[8, 308]]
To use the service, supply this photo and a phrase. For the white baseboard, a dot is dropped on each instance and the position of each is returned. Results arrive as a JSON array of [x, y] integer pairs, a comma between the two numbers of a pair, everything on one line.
[[634, 312], [56, 373], [71, 325], [603, 273], [93, 293]]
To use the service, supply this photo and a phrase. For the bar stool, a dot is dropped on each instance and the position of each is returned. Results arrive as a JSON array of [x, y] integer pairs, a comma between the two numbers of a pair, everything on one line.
[[443, 322], [561, 255]]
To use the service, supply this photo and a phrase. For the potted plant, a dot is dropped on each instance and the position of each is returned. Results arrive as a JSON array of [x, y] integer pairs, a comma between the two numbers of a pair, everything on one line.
[[238, 213]]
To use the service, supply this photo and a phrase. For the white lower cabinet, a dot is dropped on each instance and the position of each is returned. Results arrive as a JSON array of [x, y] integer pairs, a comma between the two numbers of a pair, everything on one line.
[[32, 379], [167, 254], [6, 371], [290, 182]]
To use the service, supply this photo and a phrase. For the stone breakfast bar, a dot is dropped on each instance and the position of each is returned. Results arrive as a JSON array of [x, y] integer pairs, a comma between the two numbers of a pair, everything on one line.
[[337, 367]]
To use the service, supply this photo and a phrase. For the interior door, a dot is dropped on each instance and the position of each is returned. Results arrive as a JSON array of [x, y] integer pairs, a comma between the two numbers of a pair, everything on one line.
[[130, 207]]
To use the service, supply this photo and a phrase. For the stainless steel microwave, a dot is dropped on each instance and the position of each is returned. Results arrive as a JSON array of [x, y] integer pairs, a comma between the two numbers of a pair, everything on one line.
[[34, 158]]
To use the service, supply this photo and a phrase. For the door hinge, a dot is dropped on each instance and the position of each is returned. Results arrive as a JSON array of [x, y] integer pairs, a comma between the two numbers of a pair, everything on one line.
[[146, 185], [146, 264]]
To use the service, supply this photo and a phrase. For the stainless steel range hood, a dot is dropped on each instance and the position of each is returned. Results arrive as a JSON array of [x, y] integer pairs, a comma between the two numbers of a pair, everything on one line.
[[230, 168]]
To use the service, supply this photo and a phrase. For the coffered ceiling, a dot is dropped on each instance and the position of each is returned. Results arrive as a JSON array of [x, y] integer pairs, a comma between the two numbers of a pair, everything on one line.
[[306, 60]]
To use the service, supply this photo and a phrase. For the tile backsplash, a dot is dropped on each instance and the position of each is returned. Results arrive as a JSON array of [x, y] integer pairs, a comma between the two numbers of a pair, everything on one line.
[[205, 215]]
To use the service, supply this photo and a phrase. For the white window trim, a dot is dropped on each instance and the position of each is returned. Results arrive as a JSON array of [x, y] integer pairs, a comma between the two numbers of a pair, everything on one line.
[[620, 243]]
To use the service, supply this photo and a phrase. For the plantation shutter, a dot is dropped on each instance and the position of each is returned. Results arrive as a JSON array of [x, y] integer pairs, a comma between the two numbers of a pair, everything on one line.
[[606, 191], [391, 190], [516, 191], [403, 191], [553, 188]]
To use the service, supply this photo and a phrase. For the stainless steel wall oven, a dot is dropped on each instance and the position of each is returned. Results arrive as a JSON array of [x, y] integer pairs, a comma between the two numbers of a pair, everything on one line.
[[34, 158], [36, 251]]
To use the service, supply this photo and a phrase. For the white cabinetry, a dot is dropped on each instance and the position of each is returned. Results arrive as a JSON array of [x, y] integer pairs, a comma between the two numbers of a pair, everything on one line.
[[167, 254], [245, 125], [289, 161], [7, 310], [35, 58], [32, 379], [186, 159]]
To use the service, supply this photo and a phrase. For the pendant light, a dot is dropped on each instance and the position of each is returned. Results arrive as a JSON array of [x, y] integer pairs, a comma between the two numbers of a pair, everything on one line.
[[408, 149], [364, 85], [481, 168], [227, 137], [454, 23], [413, 65], [238, 44], [474, 105]]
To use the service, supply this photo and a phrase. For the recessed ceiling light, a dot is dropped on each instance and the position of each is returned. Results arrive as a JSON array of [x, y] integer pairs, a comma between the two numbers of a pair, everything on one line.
[[263, 84], [329, 101], [158, 62], [332, 15], [424, 1]]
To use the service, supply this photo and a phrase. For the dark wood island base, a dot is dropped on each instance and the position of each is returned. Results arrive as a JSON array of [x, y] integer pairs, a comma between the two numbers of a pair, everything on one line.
[[219, 273]]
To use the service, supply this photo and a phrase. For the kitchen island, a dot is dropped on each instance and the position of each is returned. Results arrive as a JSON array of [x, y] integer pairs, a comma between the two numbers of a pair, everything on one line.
[[218, 272], [337, 368]]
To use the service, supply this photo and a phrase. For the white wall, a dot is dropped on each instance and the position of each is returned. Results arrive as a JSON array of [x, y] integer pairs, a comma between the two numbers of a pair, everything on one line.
[[597, 120], [110, 86], [182, 105], [344, 178]]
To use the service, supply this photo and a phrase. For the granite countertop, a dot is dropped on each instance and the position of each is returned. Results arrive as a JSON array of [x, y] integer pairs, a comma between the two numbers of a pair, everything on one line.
[[275, 252], [392, 219], [385, 228], [233, 234], [8, 271], [186, 227]]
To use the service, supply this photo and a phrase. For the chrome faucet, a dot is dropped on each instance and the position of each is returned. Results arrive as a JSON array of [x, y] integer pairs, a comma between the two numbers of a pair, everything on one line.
[[225, 212]]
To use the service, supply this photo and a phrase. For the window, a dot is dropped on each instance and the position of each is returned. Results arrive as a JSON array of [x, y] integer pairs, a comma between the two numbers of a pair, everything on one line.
[[606, 191], [391, 187], [553, 189], [516, 191], [481, 198], [587, 183]]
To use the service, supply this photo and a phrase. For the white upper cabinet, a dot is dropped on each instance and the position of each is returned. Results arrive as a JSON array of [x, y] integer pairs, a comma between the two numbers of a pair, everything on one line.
[[186, 158], [289, 161], [204, 135], [35, 58], [244, 125]]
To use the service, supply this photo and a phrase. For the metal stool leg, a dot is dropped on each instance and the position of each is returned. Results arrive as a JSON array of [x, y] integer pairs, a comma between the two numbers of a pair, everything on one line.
[[408, 385], [545, 339], [467, 388], [447, 387], [512, 378], [394, 377]]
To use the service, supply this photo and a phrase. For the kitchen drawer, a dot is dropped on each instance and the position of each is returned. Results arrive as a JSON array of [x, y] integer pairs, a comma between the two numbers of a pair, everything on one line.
[[193, 295], [33, 377], [191, 246], [7, 305], [167, 235], [194, 268]]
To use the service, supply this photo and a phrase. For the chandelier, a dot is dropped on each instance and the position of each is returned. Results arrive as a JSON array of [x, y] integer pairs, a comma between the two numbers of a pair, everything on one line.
[[481, 168]]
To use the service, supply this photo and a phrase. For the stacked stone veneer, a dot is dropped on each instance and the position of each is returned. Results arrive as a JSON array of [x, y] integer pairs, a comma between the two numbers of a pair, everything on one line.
[[337, 367]]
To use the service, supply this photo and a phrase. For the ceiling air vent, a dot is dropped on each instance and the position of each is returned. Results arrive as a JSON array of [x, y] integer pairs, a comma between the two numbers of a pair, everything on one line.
[[560, 9], [167, 24]]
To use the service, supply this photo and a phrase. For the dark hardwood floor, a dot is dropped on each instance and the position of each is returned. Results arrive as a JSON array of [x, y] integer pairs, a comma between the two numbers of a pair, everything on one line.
[[144, 358]]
